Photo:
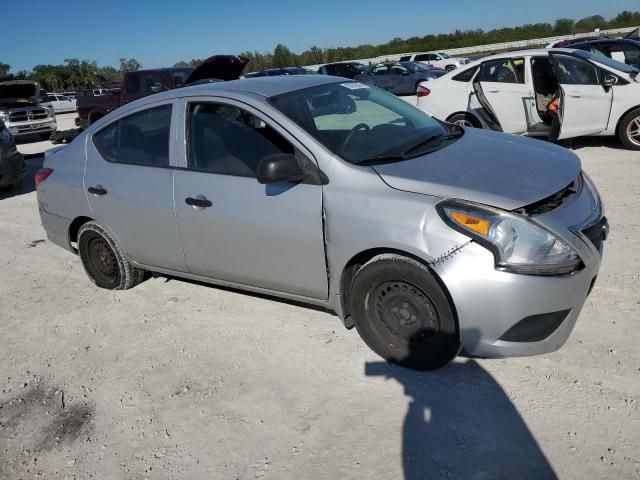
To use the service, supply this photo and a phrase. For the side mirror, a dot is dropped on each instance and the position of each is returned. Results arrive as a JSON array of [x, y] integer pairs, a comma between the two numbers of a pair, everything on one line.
[[609, 81], [280, 167]]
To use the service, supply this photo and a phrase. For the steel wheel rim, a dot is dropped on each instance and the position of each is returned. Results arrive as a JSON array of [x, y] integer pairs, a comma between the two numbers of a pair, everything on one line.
[[405, 312], [633, 131], [102, 260], [463, 123]]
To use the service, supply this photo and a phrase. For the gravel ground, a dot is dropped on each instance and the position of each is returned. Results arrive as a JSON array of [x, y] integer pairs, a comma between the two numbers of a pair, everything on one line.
[[174, 379]]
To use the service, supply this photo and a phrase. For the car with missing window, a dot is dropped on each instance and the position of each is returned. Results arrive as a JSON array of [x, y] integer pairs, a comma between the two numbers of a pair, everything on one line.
[[400, 78], [511, 93], [426, 237]]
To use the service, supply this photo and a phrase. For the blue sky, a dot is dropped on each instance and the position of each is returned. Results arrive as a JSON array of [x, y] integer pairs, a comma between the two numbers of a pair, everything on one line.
[[161, 32]]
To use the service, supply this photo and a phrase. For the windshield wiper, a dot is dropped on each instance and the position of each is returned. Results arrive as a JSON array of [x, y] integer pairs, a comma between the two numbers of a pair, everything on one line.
[[429, 140], [392, 157]]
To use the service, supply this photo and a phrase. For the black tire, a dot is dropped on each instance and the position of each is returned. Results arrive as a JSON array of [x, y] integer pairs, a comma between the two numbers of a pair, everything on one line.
[[450, 68], [465, 120], [104, 261], [402, 313], [629, 130]]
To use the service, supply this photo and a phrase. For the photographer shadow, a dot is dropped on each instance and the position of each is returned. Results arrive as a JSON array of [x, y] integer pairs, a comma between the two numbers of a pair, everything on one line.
[[461, 424]]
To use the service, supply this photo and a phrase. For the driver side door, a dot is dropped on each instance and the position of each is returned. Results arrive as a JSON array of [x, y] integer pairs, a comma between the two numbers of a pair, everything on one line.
[[233, 228], [585, 104]]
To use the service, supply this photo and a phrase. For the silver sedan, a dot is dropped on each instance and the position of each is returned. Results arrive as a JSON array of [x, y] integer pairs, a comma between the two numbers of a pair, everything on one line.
[[427, 237]]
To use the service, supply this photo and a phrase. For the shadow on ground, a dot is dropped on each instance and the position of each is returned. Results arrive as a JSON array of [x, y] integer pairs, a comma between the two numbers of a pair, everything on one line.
[[461, 424], [34, 163]]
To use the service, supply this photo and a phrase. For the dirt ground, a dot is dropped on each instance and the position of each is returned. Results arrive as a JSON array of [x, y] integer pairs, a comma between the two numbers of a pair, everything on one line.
[[174, 379]]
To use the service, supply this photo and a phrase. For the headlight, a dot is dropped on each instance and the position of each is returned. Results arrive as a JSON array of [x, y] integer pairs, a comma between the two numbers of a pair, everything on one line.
[[52, 113], [518, 244], [4, 116]]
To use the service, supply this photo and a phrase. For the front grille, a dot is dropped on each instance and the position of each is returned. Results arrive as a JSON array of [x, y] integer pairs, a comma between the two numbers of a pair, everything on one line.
[[28, 114], [553, 201], [597, 232], [39, 113]]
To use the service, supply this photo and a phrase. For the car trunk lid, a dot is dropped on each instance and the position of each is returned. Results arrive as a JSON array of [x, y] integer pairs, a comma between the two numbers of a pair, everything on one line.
[[221, 67]]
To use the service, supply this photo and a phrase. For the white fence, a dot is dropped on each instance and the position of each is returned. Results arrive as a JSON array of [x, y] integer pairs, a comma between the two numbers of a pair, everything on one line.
[[496, 47]]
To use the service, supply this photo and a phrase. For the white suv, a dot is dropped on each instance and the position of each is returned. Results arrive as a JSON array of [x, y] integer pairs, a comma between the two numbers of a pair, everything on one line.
[[436, 59], [510, 92]]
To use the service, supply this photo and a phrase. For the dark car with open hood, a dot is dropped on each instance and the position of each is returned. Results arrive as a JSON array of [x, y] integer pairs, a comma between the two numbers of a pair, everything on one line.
[[142, 83]]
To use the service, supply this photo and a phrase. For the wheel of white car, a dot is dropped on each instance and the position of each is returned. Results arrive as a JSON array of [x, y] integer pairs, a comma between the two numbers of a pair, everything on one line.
[[449, 68], [104, 261], [464, 120], [629, 130], [402, 313]]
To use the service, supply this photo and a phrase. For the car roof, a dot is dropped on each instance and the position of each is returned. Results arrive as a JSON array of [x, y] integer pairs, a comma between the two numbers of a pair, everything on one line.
[[264, 86], [606, 40]]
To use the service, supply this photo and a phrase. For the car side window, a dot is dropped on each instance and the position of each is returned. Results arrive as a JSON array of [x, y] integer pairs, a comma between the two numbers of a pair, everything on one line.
[[504, 70], [398, 70], [422, 57], [227, 140], [574, 71], [152, 83], [406, 58], [381, 70], [466, 75], [138, 139]]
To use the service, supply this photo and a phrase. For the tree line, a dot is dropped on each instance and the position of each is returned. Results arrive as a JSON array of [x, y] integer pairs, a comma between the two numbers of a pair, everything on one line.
[[76, 74]]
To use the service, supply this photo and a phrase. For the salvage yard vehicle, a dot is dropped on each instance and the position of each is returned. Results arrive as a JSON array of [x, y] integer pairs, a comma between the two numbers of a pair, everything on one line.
[[401, 78], [22, 111], [436, 59], [61, 103], [342, 69], [12, 166], [426, 236], [271, 72], [141, 83], [510, 92], [623, 50]]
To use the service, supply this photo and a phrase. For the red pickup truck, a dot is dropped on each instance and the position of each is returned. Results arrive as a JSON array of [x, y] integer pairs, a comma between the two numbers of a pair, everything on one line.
[[142, 83]]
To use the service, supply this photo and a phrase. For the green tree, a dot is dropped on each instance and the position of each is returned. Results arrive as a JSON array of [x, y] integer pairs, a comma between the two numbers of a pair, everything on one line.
[[589, 24], [129, 65], [282, 56], [4, 69], [564, 26]]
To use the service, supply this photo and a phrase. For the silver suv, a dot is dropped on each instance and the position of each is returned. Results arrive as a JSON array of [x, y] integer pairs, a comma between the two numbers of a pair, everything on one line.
[[425, 236]]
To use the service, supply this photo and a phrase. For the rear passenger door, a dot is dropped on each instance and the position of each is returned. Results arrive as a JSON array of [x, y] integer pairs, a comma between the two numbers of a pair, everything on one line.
[[501, 84], [129, 185], [380, 77], [233, 228]]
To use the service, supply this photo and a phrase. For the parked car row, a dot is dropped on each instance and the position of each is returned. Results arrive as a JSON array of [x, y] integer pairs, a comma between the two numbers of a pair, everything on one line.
[[400, 78], [515, 92]]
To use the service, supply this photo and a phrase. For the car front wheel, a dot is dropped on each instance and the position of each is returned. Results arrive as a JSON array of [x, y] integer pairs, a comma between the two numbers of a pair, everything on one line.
[[402, 313], [465, 120], [629, 130], [104, 261]]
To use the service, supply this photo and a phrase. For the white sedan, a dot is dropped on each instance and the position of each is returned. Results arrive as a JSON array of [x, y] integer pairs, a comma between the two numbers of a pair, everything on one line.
[[61, 103], [511, 92]]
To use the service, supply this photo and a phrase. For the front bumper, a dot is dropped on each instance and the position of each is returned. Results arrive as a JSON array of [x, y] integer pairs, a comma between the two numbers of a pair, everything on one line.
[[494, 305], [29, 128]]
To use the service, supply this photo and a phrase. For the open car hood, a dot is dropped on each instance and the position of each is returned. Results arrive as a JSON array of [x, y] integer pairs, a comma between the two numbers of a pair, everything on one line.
[[220, 67], [19, 90], [491, 168]]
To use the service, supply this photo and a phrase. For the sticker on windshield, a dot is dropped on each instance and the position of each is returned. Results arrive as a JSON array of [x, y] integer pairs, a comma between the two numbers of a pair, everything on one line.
[[354, 85]]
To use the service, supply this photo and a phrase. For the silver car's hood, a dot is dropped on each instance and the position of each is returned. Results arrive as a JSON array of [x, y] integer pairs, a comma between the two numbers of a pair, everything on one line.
[[495, 169]]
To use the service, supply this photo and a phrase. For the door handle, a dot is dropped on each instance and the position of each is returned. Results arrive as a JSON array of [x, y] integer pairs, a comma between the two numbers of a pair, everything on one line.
[[199, 201], [97, 190], [493, 90], [574, 94]]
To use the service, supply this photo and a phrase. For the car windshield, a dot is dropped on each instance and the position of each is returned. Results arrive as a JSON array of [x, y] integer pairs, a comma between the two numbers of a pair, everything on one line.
[[609, 62], [362, 124], [443, 55]]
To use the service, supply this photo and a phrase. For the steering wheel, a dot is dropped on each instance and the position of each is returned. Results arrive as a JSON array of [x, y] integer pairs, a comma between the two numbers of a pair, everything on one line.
[[358, 128]]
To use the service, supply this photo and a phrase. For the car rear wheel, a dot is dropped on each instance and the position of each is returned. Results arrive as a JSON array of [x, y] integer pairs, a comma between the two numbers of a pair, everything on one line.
[[402, 313], [104, 261], [464, 120], [449, 68], [629, 130]]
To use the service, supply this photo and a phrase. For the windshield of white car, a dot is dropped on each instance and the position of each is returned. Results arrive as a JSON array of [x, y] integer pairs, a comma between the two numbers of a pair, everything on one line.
[[444, 55], [359, 123], [609, 62]]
